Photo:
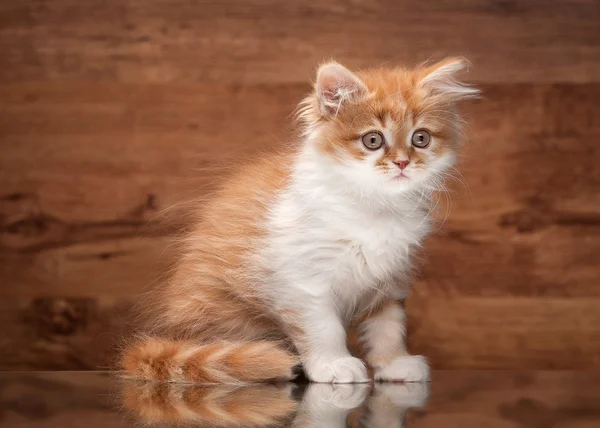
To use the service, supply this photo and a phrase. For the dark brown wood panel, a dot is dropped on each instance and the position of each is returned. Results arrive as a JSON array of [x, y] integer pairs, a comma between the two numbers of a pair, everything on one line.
[[94, 179], [122, 265], [275, 41], [62, 333], [463, 332], [526, 219], [551, 333]]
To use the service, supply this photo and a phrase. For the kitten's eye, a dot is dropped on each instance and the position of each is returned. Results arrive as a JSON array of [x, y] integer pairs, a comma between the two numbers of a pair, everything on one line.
[[373, 140], [421, 138]]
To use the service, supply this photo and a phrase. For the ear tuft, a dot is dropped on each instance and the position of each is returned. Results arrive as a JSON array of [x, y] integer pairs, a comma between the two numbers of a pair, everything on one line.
[[440, 78], [335, 86]]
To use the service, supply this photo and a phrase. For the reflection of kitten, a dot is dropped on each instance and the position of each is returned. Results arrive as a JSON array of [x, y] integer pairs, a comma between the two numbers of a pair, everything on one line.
[[322, 405], [300, 244], [330, 405], [387, 406], [178, 404]]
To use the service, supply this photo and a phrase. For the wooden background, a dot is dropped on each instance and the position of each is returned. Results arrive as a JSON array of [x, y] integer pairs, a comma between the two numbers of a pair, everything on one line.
[[111, 111]]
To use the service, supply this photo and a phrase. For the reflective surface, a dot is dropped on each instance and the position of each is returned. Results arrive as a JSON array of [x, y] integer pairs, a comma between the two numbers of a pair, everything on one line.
[[453, 399]]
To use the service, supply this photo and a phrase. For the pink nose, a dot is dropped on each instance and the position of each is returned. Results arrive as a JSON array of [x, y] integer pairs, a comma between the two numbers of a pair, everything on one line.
[[402, 164]]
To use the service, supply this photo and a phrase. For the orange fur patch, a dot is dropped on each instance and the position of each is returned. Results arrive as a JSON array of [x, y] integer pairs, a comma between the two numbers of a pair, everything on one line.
[[212, 290], [220, 362]]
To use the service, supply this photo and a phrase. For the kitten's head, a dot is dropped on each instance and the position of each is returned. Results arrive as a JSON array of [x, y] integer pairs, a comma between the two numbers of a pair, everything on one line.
[[388, 130]]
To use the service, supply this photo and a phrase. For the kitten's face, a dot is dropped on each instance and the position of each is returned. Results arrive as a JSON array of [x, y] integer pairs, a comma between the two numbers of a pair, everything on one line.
[[389, 130]]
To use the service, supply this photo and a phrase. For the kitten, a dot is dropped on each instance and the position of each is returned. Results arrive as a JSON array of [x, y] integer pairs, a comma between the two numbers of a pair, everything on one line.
[[299, 245]]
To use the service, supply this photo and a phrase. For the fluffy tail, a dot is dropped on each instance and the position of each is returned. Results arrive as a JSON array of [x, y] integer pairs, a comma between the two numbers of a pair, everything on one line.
[[221, 362]]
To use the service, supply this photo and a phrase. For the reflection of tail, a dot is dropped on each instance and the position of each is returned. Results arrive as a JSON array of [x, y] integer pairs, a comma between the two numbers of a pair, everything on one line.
[[239, 406], [220, 362]]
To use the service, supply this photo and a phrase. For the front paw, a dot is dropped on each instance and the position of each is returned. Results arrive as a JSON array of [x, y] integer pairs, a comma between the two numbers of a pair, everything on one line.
[[407, 368], [341, 370]]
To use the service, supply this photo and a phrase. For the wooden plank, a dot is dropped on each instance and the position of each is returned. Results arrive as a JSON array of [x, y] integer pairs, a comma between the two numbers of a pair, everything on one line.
[[508, 332], [466, 333], [88, 168], [62, 333], [50, 131], [158, 140], [121, 266], [258, 41], [88, 172], [525, 223], [470, 260]]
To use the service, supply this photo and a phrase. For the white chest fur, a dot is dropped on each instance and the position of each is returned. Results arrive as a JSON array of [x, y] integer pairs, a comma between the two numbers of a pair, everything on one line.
[[324, 241], [378, 248]]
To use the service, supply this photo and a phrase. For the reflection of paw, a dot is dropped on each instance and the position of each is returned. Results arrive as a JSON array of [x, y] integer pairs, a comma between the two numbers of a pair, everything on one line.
[[347, 396], [328, 405], [342, 370], [403, 395], [408, 368]]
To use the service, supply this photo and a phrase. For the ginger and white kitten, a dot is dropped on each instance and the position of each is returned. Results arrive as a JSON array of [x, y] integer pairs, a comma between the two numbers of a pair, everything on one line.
[[298, 246]]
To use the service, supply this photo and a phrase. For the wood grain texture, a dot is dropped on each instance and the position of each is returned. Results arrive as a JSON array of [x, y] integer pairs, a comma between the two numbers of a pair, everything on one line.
[[527, 220], [474, 333], [63, 333], [118, 117], [273, 41], [78, 195], [454, 333], [507, 399], [518, 229]]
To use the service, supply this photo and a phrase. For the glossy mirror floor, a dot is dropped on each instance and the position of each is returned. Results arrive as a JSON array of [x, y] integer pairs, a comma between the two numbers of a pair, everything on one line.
[[453, 399]]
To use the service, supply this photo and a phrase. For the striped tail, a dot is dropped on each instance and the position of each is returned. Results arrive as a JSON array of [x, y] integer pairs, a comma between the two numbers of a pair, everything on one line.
[[221, 362]]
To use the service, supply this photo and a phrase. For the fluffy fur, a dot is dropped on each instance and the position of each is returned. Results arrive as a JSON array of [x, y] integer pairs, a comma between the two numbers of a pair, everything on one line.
[[299, 245]]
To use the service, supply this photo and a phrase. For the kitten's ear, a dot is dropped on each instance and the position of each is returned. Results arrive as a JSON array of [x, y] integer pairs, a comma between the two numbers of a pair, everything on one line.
[[335, 86], [440, 78]]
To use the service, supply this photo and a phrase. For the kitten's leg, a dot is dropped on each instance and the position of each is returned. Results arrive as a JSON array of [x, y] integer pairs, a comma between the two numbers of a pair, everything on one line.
[[383, 335], [320, 338]]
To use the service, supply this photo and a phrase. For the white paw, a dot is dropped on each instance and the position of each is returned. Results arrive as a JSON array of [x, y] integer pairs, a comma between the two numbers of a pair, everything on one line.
[[344, 396], [408, 368], [342, 370]]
